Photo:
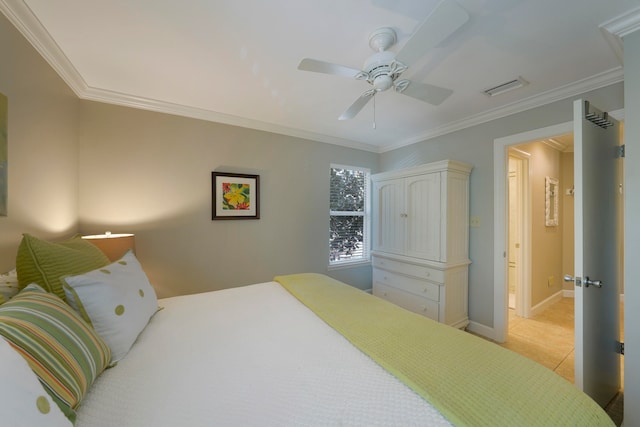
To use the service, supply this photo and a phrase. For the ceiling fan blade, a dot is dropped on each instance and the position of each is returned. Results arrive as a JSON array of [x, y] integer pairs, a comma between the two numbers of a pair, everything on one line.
[[443, 21], [316, 66], [358, 105], [434, 95]]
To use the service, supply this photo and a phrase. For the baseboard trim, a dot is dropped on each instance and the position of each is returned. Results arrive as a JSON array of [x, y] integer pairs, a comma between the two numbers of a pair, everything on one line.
[[539, 308]]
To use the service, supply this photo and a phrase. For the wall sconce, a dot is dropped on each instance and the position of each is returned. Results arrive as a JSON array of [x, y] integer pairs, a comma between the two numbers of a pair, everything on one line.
[[113, 245]]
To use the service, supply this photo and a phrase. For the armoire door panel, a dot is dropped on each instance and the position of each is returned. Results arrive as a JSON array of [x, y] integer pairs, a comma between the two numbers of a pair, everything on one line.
[[389, 222], [423, 216]]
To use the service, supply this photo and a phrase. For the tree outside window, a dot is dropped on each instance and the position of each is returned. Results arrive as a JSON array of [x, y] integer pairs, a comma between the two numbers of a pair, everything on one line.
[[349, 219]]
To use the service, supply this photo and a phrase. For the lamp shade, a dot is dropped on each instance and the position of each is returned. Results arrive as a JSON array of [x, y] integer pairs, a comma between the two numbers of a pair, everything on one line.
[[113, 245]]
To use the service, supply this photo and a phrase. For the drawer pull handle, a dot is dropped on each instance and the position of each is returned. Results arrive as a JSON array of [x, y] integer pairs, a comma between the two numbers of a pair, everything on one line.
[[427, 274], [424, 309], [385, 294], [386, 278]]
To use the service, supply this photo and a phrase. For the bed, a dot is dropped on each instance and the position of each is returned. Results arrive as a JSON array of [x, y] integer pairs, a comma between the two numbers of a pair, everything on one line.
[[302, 350]]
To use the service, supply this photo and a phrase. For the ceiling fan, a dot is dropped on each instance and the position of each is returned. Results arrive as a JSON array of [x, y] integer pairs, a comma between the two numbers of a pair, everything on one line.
[[383, 69]]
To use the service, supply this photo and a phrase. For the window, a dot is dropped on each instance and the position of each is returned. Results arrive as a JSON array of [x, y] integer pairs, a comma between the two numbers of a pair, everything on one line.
[[349, 215]]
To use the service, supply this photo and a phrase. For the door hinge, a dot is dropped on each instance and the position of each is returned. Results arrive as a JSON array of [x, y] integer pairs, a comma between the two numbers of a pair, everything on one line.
[[620, 348], [620, 151]]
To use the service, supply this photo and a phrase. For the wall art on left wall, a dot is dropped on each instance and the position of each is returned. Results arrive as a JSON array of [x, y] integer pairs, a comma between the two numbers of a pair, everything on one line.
[[4, 159]]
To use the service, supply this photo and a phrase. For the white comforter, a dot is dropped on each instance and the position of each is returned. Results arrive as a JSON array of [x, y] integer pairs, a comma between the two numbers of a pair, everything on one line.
[[250, 356]]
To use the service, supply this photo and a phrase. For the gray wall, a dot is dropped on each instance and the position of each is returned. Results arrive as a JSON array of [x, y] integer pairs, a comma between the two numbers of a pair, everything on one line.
[[42, 145], [150, 173], [475, 146], [632, 230]]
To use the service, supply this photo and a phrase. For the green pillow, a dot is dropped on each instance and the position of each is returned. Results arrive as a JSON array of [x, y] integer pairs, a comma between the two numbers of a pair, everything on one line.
[[65, 352], [42, 262]]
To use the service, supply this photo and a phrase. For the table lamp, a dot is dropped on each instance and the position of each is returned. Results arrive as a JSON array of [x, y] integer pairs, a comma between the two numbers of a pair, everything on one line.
[[113, 245]]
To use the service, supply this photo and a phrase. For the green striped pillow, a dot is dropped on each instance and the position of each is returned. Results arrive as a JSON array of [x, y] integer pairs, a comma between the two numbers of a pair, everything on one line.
[[42, 262], [62, 349]]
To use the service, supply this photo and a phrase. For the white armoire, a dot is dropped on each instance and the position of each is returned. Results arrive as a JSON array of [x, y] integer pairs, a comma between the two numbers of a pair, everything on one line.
[[421, 239]]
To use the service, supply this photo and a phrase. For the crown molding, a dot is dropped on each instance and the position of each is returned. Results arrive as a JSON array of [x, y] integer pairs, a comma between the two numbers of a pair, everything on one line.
[[126, 100], [555, 144], [615, 29], [576, 88], [21, 16], [624, 24]]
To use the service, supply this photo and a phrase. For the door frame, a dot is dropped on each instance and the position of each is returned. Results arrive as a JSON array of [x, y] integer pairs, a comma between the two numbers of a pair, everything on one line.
[[523, 290], [500, 191]]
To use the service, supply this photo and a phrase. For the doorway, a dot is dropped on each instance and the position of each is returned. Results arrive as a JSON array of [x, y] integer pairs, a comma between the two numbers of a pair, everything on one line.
[[539, 247], [500, 152], [540, 320], [518, 236]]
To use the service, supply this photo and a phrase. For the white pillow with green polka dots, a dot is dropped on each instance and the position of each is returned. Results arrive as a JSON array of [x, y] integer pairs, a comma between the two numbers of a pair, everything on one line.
[[117, 300], [25, 401]]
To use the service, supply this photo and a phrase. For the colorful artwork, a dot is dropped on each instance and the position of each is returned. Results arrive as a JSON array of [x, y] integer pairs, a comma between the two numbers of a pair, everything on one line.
[[235, 196], [4, 160]]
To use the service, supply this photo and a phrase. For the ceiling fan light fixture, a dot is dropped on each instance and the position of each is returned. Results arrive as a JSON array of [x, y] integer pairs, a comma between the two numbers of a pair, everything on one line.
[[506, 87], [382, 83]]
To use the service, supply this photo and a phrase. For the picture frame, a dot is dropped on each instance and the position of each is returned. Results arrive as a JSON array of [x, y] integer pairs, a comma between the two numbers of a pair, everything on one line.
[[235, 196], [551, 202]]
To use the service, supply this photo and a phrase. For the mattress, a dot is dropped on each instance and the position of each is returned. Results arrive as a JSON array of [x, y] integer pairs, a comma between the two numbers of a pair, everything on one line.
[[249, 356]]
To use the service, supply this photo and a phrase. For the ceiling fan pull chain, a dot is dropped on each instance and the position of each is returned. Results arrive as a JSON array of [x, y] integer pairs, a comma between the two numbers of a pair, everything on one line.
[[374, 110]]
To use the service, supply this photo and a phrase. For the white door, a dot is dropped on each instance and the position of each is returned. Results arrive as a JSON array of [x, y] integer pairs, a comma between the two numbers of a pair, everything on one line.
[[597, 320], [514, 251]]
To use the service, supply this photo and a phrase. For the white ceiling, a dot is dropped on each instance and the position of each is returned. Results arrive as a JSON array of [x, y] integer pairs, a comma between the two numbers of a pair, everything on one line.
[[235, 61]]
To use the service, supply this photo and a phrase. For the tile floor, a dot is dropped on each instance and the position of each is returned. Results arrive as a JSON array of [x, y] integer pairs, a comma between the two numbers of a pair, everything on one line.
[[548, 339]]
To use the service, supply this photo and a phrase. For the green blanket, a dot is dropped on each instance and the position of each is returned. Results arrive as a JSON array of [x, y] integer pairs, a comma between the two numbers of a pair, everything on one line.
[[471, 381]]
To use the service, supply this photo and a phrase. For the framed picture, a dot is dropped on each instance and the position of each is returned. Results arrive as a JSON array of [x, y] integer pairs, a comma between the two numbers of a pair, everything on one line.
[[235, 196], [551, 202]]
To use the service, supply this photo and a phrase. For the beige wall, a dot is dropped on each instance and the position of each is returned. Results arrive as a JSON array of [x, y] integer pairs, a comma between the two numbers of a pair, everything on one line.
[[546, 242], [150, 174], [42, 145]]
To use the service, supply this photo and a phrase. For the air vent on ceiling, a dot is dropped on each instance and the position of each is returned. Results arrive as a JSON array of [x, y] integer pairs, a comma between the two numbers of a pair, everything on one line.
[[506, 87]]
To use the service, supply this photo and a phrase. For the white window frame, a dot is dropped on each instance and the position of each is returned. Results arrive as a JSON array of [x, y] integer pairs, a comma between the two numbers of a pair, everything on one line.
[[365, 259]]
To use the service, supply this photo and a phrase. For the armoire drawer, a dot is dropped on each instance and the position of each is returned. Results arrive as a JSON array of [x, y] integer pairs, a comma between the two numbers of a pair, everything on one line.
[[417, 287], [414, 270], [419, 305]]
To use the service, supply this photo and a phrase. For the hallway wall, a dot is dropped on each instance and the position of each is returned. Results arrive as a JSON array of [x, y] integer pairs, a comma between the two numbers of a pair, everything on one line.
[[546, 241]]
